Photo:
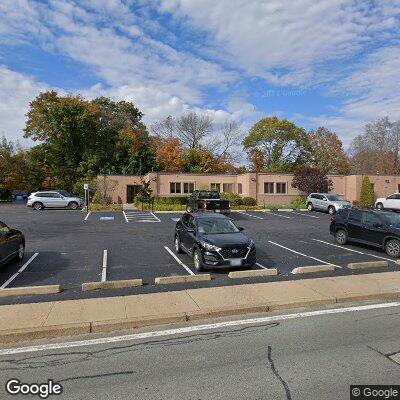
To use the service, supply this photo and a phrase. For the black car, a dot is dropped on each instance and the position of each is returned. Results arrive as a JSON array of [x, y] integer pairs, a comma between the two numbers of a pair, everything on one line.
[[375, 228], [12, 244], [213, 240]]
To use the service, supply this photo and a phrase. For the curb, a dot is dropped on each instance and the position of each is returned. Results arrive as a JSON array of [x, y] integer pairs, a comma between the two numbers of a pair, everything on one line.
[[29, 290], [127, 283], [301, 303], [252, 273], [166, 280], [44, 332], [313, 268], [285, 209], [368, 264]]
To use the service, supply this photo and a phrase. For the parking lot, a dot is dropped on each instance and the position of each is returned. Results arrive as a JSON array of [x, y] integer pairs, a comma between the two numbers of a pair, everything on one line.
[[72, 247]]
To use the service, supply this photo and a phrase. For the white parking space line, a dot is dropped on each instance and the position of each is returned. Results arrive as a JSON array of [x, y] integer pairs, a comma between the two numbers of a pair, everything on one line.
[[254, 216], [126, 219], [261, 266], [277, 215], [5, 284], [179, 261], [104, 270], [354, 251], [193, 328], [139, 216], [304, 215], [304, 255], [87, 215]]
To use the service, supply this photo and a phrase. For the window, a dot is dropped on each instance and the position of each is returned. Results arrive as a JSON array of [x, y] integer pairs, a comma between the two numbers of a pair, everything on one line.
[[281, 188], [355, 216], [188, 187], [228, 187], [373, 187], [175, 187], [371, 220], [216, 187], [269, 187], [240, 190], [398, 188], [391, 197]]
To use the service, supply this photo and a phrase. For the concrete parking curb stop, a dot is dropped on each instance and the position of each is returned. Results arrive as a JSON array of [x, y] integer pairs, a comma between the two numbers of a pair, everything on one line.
[[27, 322], [313, 268], [127, 283], [165, 280], [369, 264], [253, 273], [29, 290]]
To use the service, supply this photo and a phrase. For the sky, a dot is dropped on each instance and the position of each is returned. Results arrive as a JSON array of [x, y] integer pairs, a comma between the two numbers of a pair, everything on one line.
[[332, 63]]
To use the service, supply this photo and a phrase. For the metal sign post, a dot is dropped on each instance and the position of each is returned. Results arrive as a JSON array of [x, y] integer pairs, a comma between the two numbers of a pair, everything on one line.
[[87, 195]]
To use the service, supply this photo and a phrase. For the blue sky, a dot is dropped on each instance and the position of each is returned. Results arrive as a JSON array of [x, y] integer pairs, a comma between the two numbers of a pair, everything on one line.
[[334, 63]]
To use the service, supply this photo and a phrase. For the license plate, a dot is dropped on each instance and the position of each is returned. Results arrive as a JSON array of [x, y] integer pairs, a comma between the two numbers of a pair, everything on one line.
[[236, 262]]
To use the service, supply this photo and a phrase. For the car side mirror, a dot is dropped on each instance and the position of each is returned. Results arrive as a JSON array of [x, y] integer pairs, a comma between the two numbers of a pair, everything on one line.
[[377, 225], [325, 199], [241, 228]]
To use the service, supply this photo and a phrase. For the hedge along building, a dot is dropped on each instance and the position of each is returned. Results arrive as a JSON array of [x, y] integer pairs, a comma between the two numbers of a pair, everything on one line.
[[264, 187]]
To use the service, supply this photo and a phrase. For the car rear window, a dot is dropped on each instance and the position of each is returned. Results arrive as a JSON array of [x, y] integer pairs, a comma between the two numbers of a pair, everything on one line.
[[208, 195]]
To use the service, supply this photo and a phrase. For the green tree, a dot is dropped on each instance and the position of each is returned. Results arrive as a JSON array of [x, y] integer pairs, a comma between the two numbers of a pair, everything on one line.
[[367, 195], [282, 145]]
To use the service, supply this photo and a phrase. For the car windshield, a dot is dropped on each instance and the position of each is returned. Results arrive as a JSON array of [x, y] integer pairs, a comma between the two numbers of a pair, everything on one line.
[[216, 226], [392, 220], [208, 195], [334, 197]]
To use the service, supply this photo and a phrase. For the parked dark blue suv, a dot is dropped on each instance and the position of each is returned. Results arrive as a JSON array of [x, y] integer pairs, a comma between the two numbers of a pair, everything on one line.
[[372, 227]]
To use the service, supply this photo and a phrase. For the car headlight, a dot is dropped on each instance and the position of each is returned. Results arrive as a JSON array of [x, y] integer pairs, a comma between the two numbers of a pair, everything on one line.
[[209, 246], [251, 244]]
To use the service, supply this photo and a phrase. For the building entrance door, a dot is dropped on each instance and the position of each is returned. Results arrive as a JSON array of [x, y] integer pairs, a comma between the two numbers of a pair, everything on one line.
[[131, 192]]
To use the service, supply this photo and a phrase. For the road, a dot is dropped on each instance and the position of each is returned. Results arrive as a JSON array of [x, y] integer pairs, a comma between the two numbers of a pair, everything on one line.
[[306, 357]]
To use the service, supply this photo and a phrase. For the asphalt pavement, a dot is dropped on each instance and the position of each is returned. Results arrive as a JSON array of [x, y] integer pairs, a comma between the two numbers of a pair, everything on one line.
[[70, 246], [307, 357]]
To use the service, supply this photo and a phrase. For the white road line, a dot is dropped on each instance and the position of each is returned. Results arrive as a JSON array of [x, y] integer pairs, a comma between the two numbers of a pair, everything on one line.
[[159, 220], [395, 358], [192, 329], [278, 215], [126, 219], [104, 270], [5, 284], [304, 215], [179, 261], [87, 215], [254, 216], [354, 251], [261, 266], [304, 255]]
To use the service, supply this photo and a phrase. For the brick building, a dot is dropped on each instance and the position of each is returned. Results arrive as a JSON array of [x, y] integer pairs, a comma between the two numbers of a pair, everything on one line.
[[264, 187]]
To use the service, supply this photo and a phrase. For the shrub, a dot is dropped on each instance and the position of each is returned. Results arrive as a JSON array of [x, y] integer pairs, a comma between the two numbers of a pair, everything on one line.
[[171, 200], [249, 201], [99, 199], [234, 199], [309, 180], [298, 202], [367, 196]]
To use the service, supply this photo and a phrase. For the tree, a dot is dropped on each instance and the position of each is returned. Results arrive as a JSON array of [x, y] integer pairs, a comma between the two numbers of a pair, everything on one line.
[[169, 156], [367, 195], [283, 145], [308, 180], [377, 150], [327, 152], [145, 192], [256, 160], [192, 128], [104, 189]]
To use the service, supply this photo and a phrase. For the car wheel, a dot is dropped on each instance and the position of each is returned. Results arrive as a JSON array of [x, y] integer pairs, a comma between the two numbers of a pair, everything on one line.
[[331, 210], [20, 252], [37, 206], [178, 248], [73, 205], [379, 206], [341, 236], [310, 207], [198, 264], [393, 248]]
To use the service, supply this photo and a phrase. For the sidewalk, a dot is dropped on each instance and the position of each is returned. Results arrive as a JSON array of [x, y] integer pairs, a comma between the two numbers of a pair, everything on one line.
[[73, 317]]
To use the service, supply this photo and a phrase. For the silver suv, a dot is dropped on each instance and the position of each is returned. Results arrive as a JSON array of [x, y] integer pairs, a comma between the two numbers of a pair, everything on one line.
[[54, 199], [326, 202]]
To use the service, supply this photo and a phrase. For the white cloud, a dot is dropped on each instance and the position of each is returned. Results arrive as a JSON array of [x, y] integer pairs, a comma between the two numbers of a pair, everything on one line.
[[16, 91]]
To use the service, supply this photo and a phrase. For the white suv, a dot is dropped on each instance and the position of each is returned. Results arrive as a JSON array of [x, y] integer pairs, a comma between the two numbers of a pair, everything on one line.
[[54, 199], [390, 203]]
